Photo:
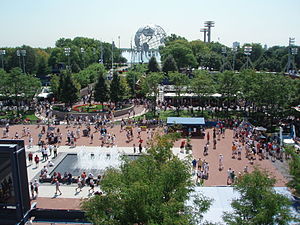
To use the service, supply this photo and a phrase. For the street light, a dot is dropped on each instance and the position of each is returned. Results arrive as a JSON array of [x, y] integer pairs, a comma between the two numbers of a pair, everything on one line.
[[19, 55], [235, 46], [247, 52], [23, 53], [2, 53], [67, 53], [290, 67], [83, 53]]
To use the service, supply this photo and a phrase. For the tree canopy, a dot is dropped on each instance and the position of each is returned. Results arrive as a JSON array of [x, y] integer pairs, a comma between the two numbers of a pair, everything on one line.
[[149, 190], [258, 202]]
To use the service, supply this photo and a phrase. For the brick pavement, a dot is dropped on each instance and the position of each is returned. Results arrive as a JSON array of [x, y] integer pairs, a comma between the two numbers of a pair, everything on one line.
[[216, 177]]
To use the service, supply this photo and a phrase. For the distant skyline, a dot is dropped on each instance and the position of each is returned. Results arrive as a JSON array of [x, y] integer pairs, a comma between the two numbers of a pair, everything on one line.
[[39, 23]]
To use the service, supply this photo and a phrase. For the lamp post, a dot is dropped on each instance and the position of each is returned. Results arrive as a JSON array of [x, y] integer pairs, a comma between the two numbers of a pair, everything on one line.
[[19, 55], [67, 53], [290, 66], [83, 56], [2, 53], [235, 46], [247, 52], [23, 53]]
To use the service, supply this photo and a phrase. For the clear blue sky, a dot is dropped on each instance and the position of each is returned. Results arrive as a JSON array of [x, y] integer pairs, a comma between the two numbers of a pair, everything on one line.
[[39, 23]]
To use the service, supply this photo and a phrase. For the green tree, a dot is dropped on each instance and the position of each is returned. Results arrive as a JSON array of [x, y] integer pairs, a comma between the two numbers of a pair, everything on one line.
[[149, 190], [228, 86], [68, 89], [181, 52], [294, 166], [181, 84], [169, 64], [153, 65], [132, 78], [18, 86], [150, 87], [115, 89], [258, 202], [202, 85], [55, 85], [101, 90]]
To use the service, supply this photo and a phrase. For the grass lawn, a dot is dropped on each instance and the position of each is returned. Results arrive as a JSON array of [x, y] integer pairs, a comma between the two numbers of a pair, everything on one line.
[[29, 115]]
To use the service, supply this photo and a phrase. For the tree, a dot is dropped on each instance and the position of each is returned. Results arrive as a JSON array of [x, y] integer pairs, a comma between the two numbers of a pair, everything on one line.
[[150, 86], [169, 64], [228, 86], [68, 89], [132, 77], [115, 89], [202, 85], [55, 85], [181, 52], [153, 65], [180, 82], [152, 189], [258, 202], [20, 86], [101, 90]]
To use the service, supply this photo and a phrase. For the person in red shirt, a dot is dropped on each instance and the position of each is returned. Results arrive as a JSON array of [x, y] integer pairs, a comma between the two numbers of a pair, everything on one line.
[[36, 160], [30, 157]]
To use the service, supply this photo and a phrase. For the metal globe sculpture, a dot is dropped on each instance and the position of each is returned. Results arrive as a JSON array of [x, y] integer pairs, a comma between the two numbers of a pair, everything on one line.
[[149, 38]]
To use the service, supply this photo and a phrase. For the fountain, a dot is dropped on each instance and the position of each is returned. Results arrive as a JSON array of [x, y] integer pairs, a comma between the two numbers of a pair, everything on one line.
[[98, 160], [91, 161]]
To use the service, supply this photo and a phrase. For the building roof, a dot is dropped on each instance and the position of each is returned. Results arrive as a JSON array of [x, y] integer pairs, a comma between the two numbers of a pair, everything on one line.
[[186, 120]]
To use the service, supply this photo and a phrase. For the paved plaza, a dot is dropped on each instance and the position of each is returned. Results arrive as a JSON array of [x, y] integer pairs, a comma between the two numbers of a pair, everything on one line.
[[70, 199]]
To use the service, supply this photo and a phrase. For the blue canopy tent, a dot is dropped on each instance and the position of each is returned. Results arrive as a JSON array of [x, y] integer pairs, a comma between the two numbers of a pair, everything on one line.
[[191, 126], [186, 121]]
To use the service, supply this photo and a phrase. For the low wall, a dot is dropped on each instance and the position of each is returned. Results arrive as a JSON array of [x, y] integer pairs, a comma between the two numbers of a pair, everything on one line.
[[62, 115]]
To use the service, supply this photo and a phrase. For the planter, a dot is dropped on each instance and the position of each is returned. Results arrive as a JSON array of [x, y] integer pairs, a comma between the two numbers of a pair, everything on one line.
[[143, 128]]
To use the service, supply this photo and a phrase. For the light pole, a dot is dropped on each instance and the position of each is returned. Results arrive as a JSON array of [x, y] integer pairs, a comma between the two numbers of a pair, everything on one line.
[[235, 46], [101, 53], [19, 55], [83, 56], [67, 53], [2, 53], [23, 53], [247, 52], [225, 60], [290, 66], [112, 57]]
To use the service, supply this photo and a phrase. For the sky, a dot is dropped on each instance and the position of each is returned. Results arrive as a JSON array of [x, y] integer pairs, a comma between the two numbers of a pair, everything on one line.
[[39, 23]]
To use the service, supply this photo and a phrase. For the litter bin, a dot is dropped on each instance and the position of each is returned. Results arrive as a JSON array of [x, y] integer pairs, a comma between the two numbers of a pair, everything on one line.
[[85, 132]]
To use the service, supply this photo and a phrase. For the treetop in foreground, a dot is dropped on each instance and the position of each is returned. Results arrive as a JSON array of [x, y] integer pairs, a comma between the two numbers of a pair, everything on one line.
[[152, 189], [258, 204]]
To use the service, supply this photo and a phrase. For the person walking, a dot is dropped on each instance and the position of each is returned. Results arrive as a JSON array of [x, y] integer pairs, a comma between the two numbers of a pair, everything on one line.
[[36, 188], [32, 190], [57, 184]]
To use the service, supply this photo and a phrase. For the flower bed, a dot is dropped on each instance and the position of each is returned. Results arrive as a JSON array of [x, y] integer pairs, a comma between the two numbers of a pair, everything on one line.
[[90, 108]]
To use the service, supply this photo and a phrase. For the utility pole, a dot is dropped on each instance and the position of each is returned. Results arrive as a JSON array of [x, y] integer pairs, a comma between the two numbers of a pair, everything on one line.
[[209, 25]]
